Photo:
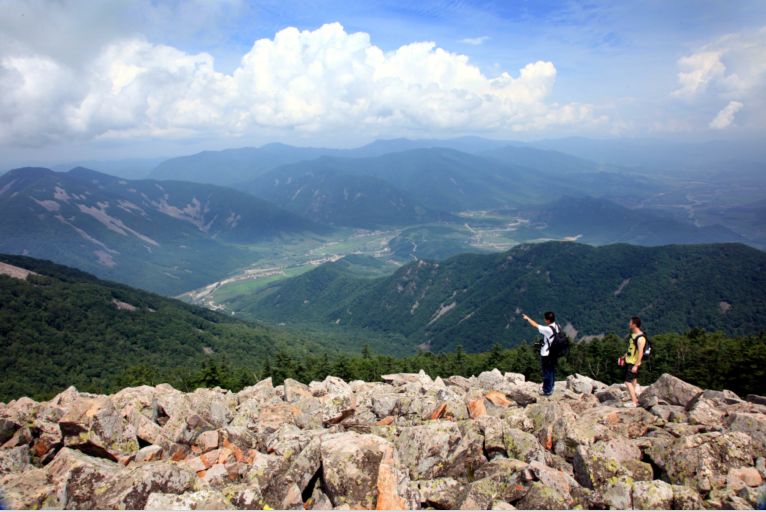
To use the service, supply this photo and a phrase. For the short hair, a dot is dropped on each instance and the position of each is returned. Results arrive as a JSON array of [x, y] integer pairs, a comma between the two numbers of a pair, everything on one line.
[[636, 321], [550, 316]]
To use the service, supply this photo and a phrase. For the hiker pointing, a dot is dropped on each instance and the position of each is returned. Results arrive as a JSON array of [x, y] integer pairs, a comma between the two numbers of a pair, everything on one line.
[[555, 344]]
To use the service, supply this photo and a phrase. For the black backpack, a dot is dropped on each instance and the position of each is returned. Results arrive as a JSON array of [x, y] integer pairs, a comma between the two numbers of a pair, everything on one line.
[[559, 342], [648, 346]]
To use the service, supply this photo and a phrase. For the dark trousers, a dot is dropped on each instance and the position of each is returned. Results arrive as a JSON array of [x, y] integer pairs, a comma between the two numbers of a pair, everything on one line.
[[549, 373]]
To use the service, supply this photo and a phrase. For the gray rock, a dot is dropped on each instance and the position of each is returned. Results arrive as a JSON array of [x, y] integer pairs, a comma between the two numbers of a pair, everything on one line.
[[207, 499], [668, 390], [654, 495]]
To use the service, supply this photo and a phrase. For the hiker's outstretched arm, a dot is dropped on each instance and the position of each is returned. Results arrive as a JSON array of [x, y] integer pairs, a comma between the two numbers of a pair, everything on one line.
[[531, 322]]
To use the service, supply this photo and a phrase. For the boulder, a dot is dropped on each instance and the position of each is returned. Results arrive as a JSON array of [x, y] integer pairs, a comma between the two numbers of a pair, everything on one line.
[[701, 461], [79, 479], [739, 478], [353, 471], [14, 460], [522, 446], [618, 493], [653, 495], [130, 488], [543, 497], [441, 493], [668, 390], [440, 449], [94, 426], [685, 498], [596, 465], [30, 489], [751, 424], [492, 380], [584, 385], [207, 499]]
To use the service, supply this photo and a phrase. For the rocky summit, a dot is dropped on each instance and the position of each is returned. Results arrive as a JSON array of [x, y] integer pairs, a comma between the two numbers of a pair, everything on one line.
[[409, 442]]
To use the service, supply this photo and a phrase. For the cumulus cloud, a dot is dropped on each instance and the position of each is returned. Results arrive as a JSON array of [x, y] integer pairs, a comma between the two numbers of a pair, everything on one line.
[[725, 117], [299, 81], [733, 65], [475, 41]]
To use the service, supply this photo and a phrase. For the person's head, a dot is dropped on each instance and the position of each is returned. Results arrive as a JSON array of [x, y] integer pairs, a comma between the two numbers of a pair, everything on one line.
[[635, 322], [549, 317]]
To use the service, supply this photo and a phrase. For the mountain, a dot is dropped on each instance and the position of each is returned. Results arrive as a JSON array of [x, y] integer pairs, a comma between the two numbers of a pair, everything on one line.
[[231, 166], [600, 221], [438, 179], [476, 300], [61, 327], [332, 197], [168, 237]]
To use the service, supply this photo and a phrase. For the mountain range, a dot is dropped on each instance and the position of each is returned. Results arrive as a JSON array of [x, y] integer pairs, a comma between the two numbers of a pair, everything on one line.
[[164, 236], [476, 300]]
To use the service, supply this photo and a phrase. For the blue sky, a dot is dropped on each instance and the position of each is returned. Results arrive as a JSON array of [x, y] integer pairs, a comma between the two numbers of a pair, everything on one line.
[[116, 78]]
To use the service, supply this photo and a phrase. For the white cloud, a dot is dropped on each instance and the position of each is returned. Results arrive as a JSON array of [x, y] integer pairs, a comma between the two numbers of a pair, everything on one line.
[[700, 69], [475, 41], [733, 65], [725, 117], [299, 81]]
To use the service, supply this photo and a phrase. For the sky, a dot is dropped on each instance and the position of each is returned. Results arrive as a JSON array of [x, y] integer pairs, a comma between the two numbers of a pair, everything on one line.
[[146, 78]]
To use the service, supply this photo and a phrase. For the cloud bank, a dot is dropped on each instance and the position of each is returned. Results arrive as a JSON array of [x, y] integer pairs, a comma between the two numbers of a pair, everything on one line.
[[325, 80]]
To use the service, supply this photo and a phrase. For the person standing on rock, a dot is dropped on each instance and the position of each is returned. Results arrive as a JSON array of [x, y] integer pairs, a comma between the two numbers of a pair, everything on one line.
[[632, 358], [547, 360]]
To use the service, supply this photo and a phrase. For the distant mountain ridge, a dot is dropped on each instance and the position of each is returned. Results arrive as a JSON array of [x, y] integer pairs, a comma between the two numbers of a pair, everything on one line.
[[476, 300], [601, 221], [164, 236]]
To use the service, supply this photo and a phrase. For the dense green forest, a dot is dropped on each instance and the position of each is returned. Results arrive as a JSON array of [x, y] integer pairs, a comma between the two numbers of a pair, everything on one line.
[[64, 327], [475, 300], [709, 360]]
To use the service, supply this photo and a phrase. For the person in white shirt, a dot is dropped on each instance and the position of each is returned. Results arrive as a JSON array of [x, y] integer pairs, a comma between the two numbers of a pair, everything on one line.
[[547, 362]]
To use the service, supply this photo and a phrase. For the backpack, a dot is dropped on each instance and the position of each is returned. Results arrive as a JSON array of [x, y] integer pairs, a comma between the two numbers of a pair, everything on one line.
[[648, 346], [559, 342]]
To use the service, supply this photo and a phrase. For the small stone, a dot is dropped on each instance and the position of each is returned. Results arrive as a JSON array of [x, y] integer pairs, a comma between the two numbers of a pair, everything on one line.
[[149, 453], [207, 441]]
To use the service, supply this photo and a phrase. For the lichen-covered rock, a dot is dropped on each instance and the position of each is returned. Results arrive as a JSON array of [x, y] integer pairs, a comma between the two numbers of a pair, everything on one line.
[[595, 466], [440, 448], [442, 493], [94, 425], [702, 461], [751, 424], [653, 495], [207, 499], [14, 460], [543, 497], [407, 443], [351, 468]]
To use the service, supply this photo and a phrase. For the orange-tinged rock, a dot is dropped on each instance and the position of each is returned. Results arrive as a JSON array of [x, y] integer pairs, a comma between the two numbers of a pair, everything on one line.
[[477, 408], [388, 420], [439, 411], [239, 455], [388, 495], [499, 399]]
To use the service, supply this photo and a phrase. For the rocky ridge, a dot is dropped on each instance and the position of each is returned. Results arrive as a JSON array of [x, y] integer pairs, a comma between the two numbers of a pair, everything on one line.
[[485, 442]]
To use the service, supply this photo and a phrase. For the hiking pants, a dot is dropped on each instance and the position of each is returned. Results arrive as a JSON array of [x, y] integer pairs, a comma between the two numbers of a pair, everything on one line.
[[549, 374]]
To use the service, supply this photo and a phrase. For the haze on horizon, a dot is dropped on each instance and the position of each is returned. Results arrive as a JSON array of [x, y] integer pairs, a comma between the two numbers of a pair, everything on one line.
[[117, 79]]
